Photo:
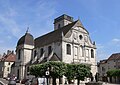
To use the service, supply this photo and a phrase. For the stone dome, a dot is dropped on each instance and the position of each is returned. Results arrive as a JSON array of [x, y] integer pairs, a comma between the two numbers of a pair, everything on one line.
[[26, 39]]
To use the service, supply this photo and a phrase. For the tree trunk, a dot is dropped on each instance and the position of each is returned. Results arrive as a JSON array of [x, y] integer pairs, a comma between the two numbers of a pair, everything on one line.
[[54, 81], [78, 81], [69, 81], [60, 80]]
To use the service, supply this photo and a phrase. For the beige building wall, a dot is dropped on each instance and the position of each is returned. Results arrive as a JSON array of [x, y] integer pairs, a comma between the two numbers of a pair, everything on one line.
[[20, 64], [7, 68]]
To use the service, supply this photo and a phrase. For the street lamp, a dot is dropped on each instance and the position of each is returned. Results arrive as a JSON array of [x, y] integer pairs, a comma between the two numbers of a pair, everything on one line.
[[47, 73]]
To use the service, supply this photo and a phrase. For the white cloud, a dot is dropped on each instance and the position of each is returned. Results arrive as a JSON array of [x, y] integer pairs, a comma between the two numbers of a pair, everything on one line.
[[116, 40]]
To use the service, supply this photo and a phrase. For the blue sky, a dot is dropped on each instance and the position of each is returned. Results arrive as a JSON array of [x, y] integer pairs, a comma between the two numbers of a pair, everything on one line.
[[100, 17]]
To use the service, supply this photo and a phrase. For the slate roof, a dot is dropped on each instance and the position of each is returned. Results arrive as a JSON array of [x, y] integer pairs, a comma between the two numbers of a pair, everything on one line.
[[26, 39], [115, 56], [53, 36], [103, 61]]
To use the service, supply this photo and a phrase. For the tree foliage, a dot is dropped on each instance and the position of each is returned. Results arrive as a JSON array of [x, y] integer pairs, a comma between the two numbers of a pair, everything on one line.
[[70, 72], [113, 73], [77, 71], [58, 69]]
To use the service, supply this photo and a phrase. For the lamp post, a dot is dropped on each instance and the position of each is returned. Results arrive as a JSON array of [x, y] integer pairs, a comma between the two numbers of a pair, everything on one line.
[[47, 73]]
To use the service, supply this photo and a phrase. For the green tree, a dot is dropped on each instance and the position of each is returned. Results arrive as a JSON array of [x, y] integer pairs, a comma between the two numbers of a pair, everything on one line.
[[56, 69], [70, 72], [113, 73], [81, 71], [38, 70], [77, 71]]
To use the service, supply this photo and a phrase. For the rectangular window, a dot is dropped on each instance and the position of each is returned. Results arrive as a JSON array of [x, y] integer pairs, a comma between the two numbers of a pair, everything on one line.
[[35, 53], [8, 69], [41, 51], [68, 48], [49, 50], [92, 53]]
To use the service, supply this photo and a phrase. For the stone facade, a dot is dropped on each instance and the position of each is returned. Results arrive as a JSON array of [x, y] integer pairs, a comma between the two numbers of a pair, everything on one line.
[[6, 63], [111, 63], [69, 42]]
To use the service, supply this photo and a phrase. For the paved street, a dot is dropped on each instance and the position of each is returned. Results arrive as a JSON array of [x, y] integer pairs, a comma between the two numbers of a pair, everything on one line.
[[109, 84], [6, 82]]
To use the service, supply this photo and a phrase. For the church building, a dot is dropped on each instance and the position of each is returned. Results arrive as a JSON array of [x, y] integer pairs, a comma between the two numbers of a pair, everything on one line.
[[69, 42]]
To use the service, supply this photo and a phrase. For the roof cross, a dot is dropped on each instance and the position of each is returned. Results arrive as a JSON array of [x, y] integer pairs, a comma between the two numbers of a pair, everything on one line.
[[27, 30]]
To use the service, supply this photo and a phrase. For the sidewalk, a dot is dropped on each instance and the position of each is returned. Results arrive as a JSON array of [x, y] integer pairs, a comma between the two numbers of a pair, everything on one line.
[[106, 83]]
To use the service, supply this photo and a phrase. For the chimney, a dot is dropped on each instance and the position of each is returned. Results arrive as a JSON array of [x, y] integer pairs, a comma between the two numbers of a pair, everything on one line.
[[4, 54], [8, 52], [12, 52]]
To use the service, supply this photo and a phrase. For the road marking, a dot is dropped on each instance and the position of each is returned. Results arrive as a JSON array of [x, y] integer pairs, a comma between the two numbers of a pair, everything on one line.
[[2, 83]]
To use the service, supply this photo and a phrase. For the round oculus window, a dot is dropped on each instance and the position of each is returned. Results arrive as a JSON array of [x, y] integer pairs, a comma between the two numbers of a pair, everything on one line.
[[80, 36]]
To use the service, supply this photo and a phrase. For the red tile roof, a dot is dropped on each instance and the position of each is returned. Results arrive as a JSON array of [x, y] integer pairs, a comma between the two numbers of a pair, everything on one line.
[[9, 58]]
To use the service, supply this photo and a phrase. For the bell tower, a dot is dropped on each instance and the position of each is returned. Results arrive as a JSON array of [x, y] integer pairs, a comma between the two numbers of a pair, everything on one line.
[[24, 49], [62, 21]]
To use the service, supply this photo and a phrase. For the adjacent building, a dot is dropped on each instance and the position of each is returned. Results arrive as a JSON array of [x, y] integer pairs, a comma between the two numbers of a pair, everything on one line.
[[6, 62], [113, 62], [69, 42]]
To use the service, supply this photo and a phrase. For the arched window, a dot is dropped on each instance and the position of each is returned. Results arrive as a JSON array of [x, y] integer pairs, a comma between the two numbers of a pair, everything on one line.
[[41, 51], [35, 53], [68, 47], [49, 50], [28, 69], [18, 73], [19, 54], [92, 53]]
